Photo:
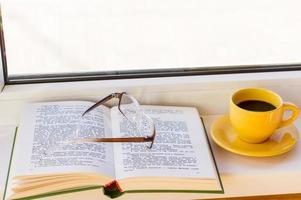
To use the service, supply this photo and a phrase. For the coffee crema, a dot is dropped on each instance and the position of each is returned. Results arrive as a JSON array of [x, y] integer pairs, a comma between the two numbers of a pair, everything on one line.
[[256, 105]]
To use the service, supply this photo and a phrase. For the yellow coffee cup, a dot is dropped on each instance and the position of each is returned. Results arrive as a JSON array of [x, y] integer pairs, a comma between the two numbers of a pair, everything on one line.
[[255, 113]]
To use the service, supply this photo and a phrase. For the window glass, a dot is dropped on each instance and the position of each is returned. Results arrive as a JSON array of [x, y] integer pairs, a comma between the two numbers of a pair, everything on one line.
[[63, 36]]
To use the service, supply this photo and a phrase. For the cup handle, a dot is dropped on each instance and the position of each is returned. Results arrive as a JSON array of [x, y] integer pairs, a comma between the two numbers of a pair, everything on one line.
[[293, 117]]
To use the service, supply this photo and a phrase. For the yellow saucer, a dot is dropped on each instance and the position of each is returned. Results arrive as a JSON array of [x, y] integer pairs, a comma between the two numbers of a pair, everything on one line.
[[225, 136]]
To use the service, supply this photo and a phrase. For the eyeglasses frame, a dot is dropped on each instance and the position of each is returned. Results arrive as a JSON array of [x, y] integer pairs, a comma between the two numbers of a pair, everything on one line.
[[124, 139]]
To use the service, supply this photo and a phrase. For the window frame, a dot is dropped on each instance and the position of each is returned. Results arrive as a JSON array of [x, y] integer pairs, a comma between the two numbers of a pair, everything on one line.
[[3, 71], [1, 75], [1, 78], [133, 74]]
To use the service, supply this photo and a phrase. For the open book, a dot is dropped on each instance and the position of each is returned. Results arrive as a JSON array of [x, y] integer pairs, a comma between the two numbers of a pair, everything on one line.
[[179, 161]]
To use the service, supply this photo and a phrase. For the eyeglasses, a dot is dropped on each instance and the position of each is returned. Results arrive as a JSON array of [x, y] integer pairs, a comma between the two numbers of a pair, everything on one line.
[[130, 109]]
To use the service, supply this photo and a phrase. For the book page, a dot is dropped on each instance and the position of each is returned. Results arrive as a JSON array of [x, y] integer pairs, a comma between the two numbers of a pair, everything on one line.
[[180, 148], [44, 124]]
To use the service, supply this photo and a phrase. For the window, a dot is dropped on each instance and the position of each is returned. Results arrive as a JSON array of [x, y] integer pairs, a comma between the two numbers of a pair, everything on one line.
[[72, 39]]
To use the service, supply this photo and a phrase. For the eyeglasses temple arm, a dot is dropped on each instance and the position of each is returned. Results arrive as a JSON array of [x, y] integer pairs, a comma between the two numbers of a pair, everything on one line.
[[129, 139], [126, 139], [107, 98]]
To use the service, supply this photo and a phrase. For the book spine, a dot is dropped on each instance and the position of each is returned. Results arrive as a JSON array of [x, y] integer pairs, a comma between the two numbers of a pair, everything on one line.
[[113, 189]]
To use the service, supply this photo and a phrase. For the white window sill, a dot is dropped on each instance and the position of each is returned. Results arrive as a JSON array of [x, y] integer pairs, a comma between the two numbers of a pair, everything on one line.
[[210, 94]]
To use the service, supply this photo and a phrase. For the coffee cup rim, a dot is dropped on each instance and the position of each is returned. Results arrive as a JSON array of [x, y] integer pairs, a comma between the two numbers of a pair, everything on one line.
[[262, 89]]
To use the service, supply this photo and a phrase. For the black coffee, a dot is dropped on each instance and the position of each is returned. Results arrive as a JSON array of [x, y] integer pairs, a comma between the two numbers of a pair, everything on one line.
[[254, 105]]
